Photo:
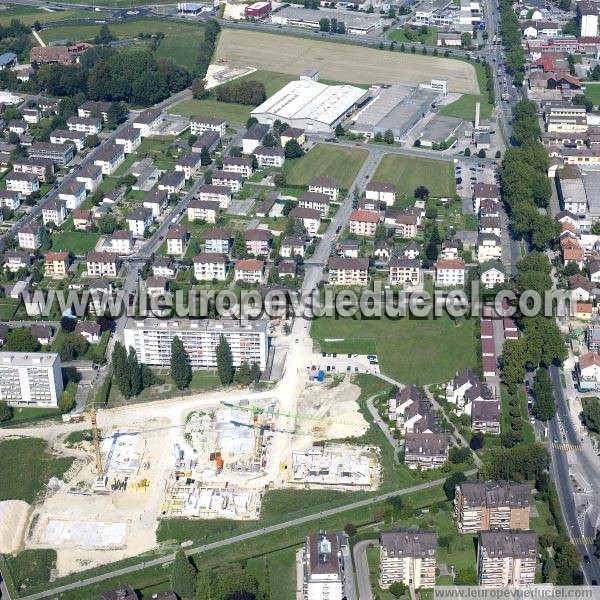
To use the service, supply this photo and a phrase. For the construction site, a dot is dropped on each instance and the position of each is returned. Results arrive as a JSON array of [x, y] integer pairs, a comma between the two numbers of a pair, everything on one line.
[[196, 457]]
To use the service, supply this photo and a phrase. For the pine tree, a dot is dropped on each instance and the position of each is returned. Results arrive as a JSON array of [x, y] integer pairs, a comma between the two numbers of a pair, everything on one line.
[[120, 370], [224, 361], [255, 372], [205, 158], [242, 374], [183, 576], [135, 373], [181, 372]]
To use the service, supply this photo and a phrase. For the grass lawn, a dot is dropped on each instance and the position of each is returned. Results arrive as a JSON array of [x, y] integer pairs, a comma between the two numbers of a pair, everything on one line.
[[341, 164], [464, 107], [24, 414], [428, 39], [28, 15], [231, 112], [373, 561], [408, 173], [272, 81], [77, 242], [31, 567], [27, 455], [419, 351], [8, 308], [592, 91]]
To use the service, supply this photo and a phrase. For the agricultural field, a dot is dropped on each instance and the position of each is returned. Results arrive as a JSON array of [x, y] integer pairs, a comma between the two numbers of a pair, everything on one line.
[[28, 455], [408, 173], [28, 15], [341, 164], [339, 62], [418, 351]]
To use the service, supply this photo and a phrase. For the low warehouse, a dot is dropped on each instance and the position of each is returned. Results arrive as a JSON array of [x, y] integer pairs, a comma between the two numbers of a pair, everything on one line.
[[310, 105]]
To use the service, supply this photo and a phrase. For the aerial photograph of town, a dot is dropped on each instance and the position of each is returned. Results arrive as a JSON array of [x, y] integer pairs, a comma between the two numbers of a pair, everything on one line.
[[299, 300]]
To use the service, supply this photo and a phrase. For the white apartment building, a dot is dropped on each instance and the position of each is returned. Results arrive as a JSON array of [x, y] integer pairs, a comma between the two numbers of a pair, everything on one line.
[[130, 138], [249, 270], [151, 338], [217, 193], [30, 236], [87, 125], [450, 273], [269, 156], [55, 212], [348, 271], [381, 191], [209, 266], [22, 183], [408, 556], [315, 200], [64, 136], [72, 193], [177, 237], [102, 264], [588, 16], [203, 124], [324, 185], [322, 572], [489, 247], [310, 218], [30, 379], [239, 165], [217, 240], [148, 121], [109, 157], [203, 210]]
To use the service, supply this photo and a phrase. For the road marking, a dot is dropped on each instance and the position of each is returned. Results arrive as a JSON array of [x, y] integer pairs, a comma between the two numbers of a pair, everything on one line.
[[567, 447], [582, 541]]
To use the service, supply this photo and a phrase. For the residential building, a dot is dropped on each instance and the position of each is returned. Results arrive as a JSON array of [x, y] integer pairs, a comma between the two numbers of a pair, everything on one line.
[[348, 271], [109, 157], [209, 266], [322, 568], [60, 153], [172, 182], [151, 338], [363, 222], [9, 199], [209, 140], [484, 191], [203, 210], [177, 238], [91, 108], [64, 136], [492, 274], [163, 267], [450, 273], [123, 592], [157, 202], [482, 505], [189, 164], [217, 240], [139, 220], [42, 168], [404, 271], [56, 264], [506, 558], [309, 217], [54, 211], [216, 193], [149, 121], [408, 556], [405, 223], [253, 137], [489, 247], [237, 164], [18, 126], [324, 185], [130, 138], [30, 379], [588, 18], [203, 124], [249, 270], [292, 246], [316, 201], [233, 181], [292, 133], [258, 241], [23, 183], [425, 450], [102, 264], [121, 242], [287, 268], [588, 369], [381, 191], [485, 415], [269, 156], [87, 125], [15, 260], [89, 330], [30, 236], [73, 193]]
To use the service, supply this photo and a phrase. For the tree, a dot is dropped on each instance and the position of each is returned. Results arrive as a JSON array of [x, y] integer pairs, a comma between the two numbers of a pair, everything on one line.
[[458, 455], [199, 90], [544, 407], [181, 372], [205, 158], [20, 339], [104, 35], [224, 361], [481, 153], [117, 114], [6, 412], [466, 576], [135, 372], [91, 141], [350, 529], [324, 24], [451, 483], [339, 130], [66, 402], [397, 589], [183, 576], [107, 223], [477, 441], [596, 73], [467, 151], [421, 192], [388, 136], [269, 141], [293, 149], [120, 370], [466, 40]]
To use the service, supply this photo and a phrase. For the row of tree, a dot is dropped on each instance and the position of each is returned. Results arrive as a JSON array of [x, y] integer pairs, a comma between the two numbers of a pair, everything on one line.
[[207, 48], [242, 92], [245, 374], [510, 30]]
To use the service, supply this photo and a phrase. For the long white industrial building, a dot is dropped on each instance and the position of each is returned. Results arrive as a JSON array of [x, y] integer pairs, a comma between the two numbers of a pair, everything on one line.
[[310, 105], [151, 339], [30, 379]]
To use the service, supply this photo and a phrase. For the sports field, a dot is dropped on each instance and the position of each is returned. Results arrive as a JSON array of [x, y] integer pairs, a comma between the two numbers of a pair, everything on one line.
[[417, 351], [340, 62], [408, 173], [341, 164]]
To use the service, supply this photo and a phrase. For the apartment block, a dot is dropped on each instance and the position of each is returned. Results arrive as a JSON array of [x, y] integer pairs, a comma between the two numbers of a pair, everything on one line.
[[408, 556], [151, 338], [322, 563], [30, 379], [506, 558], [483, 505]]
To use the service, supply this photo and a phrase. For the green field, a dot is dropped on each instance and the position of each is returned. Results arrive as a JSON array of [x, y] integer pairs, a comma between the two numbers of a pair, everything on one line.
[[8, 308], [28, 15], [592, 91], [77, 242], [32, 567], [410, 350], [180, 43], [408, 173], [340, 164], [23, 415], [27, 455], [464, 107], [428, 39]]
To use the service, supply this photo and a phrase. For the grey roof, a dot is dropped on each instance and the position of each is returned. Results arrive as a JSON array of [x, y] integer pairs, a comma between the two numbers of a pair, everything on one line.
[[409, 543], [256, 132], [509, 543], [493, 494]]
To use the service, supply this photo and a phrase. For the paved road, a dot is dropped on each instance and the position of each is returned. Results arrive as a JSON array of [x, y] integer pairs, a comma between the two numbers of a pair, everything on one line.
[[383, 426], [241, 538], [361, 564]]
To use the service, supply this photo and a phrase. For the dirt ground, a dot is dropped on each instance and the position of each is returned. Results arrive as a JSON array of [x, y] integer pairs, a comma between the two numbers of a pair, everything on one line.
[[339, 62], [13, 518]]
